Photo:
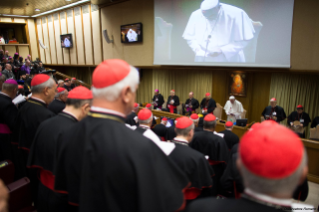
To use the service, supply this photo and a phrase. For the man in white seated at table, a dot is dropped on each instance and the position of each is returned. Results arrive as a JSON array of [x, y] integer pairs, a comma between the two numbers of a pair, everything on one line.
[[233, 109]]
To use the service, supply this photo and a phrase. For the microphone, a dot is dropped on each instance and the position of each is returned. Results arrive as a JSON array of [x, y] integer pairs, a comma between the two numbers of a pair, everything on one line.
[[208, 38]]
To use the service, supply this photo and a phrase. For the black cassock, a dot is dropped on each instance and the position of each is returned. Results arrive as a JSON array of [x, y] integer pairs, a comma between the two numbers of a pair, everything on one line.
[[131, 119], [42, 156], [176, 103], [230, 138], [198, 129], [279, 112], [56, 106], [231, 205], [8, 120], [160, 130], [30, 116], [170, 133], [210, 105], [303, 118], [197, 169], [122, 170], [193, 102], [315, 122], [215, 147], [159, 99]]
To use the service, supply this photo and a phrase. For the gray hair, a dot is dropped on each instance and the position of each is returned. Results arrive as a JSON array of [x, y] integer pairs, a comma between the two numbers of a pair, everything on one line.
[[59, 94], [9, 87], [184, 132], [39, 88], [111, 93], [269, 186], [77, 103], [146, 121], [2, 78], [59, 81], [209, 125]]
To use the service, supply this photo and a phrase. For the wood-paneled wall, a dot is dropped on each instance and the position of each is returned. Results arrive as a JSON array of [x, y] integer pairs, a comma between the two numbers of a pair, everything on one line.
[[81, 22]]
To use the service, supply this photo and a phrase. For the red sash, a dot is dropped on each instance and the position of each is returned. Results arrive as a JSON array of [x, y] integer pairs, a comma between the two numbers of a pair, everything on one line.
[[172, 108], [47, 179]]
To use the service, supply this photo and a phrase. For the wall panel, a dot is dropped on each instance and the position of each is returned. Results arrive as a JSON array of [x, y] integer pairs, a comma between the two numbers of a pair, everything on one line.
[[52, 39], [70, 20], [97, 44], [57, 34], [11, 49], [66, 52], [79, 36], [19, 20], [87, 34], [33, 38], [2, 19], [40, 37], [24, 51], [46, 40]]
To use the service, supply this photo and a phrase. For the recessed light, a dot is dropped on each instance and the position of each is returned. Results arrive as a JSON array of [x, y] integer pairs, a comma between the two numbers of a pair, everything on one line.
[[37, 10], [68, 0], [61, 8]]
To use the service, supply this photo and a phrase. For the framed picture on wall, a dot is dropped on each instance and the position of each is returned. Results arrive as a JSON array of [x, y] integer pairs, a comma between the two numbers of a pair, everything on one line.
[[237, 84]]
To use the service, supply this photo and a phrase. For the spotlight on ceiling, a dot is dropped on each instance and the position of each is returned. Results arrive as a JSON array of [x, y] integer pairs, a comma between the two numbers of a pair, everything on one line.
[[37, 10]]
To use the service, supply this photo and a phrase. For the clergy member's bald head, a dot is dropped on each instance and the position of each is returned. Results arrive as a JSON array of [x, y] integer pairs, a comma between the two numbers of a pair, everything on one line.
[[172, 93], [191, 95]]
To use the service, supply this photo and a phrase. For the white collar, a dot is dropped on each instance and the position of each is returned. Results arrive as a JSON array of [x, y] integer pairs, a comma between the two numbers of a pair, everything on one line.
[[144, 126], [40, 100], [269, 199], [104, 110], [180, 139], [69, 113], [4, 94]]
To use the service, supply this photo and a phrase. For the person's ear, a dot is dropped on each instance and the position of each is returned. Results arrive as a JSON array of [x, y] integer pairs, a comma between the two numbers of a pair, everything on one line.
[[86, 108], [303, 175], [46, 91], [126, 94]]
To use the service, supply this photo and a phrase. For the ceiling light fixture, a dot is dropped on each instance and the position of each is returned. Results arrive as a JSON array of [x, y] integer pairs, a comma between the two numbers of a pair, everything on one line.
[[23, 16], [37, 10], [61, 8]]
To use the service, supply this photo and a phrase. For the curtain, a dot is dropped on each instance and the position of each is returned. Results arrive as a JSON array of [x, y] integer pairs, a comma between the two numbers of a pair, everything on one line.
[[182, 81], [291, 90]]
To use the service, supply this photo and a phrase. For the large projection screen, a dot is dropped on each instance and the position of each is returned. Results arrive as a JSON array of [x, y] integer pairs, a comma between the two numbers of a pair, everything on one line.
[[225, 33]]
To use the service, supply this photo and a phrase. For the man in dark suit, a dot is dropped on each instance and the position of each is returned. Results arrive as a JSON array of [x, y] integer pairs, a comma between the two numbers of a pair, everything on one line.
[[274, 112], [208, 104], [300, 116], [191, 104]]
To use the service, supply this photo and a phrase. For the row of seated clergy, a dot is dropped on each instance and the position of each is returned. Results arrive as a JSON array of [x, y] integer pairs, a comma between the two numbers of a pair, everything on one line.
[[233, 108]]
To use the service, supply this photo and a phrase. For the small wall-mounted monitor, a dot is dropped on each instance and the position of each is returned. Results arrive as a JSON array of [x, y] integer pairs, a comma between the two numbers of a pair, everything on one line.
[[66, 41], [132, 33]]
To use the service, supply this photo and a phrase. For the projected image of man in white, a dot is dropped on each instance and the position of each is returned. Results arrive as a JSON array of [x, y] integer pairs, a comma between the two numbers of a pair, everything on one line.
[[218, 32]]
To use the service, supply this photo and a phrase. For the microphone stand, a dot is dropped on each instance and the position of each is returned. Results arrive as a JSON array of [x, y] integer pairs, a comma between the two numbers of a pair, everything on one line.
[[208, 38]]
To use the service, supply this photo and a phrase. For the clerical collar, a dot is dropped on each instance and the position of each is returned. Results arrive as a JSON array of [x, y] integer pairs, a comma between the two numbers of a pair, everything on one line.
[[5, 94], [180, 141], [144, 126], [266, 200], [70, 114], [39, 100], [108, 111]]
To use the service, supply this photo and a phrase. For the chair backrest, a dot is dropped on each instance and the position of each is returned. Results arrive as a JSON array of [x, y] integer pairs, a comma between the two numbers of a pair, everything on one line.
[[262, 119], [164, 105], [243, 114], [20, 195], [218, 112], [314, 133], [6, 171], [179, 109]]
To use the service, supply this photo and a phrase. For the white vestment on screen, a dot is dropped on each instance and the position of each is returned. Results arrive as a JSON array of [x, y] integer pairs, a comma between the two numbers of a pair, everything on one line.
[[67, 43], [230, 32], [131, 35]]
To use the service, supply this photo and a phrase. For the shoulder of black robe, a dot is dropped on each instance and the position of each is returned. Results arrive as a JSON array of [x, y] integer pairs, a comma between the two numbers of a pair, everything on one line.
[[198, 129], [306, 118], [28, 81], [43, 150], [56, 106], [212, 145], [315, 122], [293, 116], [130, 119], [196, 104], [30, 116], [230, 138], [8, 112], [266, 111], [170, 133], [281, 115], [194, 165], [176, 100], [123, 171], [301, 193], [160, 130], [228, 205]]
